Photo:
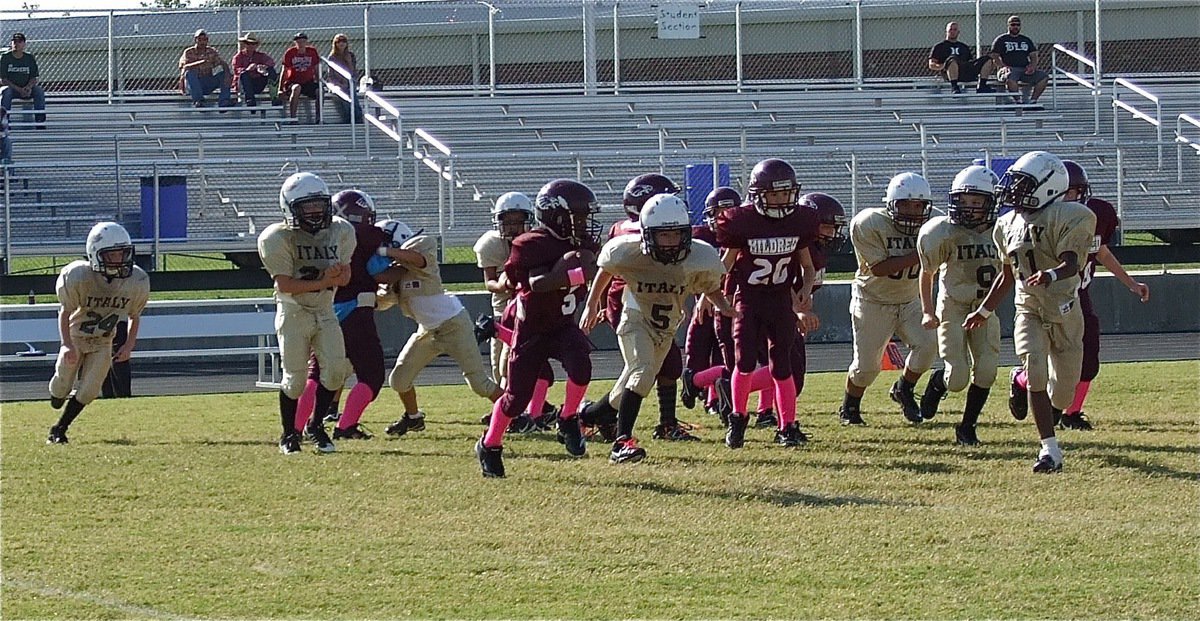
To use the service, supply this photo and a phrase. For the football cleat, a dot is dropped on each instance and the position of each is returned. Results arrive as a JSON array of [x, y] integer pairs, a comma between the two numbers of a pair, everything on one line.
[[907, 401], [935, 391], [1046, 464], [320, 438], [766, 420], [57, 436], [965, 435], [571, 435], [674, 433], [357, 432], [790, 435], [548, 418], [724, 400], [485, 328], [689, 391], [735, 435], [56, 402], [851, 416], [289, 443], [333, 417], [626, 451], [491, 460], [1018, 399], [486, 419], [1057, 414], [522, 424], [1075, 420], [406, 424]]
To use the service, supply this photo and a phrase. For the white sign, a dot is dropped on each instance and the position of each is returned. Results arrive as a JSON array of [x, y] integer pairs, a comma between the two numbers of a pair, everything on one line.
[[678, 21]]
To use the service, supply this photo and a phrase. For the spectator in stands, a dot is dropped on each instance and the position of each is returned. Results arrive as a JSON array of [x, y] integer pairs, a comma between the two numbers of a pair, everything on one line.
[[19, 78], [953, 60], [300, 63], [196, 66], [1018, 58], [253, 71], [340, 55]]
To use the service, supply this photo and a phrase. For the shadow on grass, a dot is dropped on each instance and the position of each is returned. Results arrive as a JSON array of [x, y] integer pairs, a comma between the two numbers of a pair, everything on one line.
[[1149, 469], [772, 496]]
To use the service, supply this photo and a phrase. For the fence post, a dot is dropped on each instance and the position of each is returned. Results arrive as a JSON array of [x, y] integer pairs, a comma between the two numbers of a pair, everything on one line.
[[367, 40], [156, 217], [979, 28], [1099, 67], [117, 172], [925, 154], [853, 182], [858, 44], [112, 60], [616, 48], [1120, 182], [589, 47], [441, 209], [492, 49], [7, 221], [737, 38], [1054, 79]]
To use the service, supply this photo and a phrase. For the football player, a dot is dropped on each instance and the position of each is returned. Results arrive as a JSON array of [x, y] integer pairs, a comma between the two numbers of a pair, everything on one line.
[[766, 249], [443, 324], [1079, 190], [884, 299], [1042, 242], [549, 266], [959, 247], [354, 305], [95, 295], [660, 267], [308, 257]]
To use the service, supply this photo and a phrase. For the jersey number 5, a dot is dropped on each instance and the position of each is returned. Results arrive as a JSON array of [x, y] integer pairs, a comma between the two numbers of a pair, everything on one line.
[[769, 273], [569, 302]]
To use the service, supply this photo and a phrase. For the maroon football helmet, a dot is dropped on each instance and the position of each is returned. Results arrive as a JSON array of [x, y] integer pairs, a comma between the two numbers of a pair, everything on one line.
[[718, 200], [829, 211], [641, 188], [1077, 179], [771, 177], [356, 206], [568, 210]]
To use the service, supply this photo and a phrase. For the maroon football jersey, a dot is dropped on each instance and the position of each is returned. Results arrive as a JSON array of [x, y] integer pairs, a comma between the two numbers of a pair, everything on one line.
[[819, 261], [613, 303], [547, 310], [369, 239], [705, 234], [1106, 226], [766, 263]]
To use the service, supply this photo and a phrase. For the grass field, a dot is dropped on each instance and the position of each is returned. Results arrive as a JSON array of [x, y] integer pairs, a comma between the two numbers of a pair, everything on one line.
[[182, 506]]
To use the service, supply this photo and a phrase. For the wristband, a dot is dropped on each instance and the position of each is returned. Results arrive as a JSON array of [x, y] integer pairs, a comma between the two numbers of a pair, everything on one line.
[[383, 251], [1053, 275], [983, 312], [575, 276]]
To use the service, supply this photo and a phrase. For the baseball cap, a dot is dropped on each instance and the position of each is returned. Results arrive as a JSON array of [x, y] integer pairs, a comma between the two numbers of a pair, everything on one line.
[[18, 36], [299, 35], [199, 33]]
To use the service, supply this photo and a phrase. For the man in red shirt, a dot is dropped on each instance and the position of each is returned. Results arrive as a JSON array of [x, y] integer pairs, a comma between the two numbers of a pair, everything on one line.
[[253, 70], [300, 63]]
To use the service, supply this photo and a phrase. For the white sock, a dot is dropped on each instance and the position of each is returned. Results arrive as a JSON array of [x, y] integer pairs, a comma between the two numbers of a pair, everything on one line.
[[1050, 447]]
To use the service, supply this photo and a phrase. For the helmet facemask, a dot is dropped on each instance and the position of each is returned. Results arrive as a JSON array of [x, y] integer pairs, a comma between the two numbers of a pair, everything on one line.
[[115, 261], [312, 214], [667, 244], [829, 235], [511, 224], [1019, 191], [909, 214], [777, 203], [972, 209]]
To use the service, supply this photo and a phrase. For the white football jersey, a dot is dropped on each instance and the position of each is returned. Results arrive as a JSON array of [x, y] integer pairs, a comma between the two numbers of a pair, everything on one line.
[[491, 250], [1032, 241], [875, 240], [95, 304], [303, 255], [654, 292], [967, 260]]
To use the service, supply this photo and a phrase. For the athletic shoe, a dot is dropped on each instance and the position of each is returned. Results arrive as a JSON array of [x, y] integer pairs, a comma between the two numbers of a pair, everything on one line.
[[491, 459], [851, 417], [1057, 414], [320, 438], [1018, 399], [57, 436], [486, 419], [289, 443], [735, 435], [548, 417], [1075, 420], [1046, 464], [357, 432], [571, 435], [689, 391], [626, 451], [956, 89], [485, 328], [522, 424], [791, 435], [724, 400], [406, 424], [935, 391], [56, 402], [907, 401], [965, 435], [333, 417], [674, 433], [984, 88], [766, 420]]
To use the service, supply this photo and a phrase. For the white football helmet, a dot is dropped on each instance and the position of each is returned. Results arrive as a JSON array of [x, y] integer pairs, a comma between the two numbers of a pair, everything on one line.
[[977, 180], [398, 231], [908, 186], [1034, 181], [105, 239], [300, 190], [665, 212], [511, 202]]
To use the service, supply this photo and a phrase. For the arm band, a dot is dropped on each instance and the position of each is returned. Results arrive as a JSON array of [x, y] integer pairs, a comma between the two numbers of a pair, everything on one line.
[[983, 312], [383, 251], [575, 276], [1053, 275]]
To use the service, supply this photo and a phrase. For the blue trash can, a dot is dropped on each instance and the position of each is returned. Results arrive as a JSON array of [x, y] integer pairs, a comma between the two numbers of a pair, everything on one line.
[[172, 207], [999, 164], [697, 183]]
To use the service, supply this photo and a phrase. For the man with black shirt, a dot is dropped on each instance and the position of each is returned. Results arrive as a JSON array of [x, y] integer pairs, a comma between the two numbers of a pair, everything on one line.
[[953, 60], [19, 79], [1018, 54]]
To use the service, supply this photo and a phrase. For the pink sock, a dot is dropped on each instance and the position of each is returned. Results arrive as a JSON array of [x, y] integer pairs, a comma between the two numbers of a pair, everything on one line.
[[575, 395], [705, 378], [1022, 379], [785, 399], [305, 404], [496, 427], [712, 394], [1081, 391], [761, 380], [766, 400], [538, 400], [741, 392], [356, 402], [504, 334]]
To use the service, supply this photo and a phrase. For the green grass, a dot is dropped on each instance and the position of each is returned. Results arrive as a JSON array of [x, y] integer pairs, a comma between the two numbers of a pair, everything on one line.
[[182, 506]]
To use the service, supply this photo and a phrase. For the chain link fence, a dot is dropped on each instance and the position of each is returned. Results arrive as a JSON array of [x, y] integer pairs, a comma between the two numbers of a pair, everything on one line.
[[602, 45]]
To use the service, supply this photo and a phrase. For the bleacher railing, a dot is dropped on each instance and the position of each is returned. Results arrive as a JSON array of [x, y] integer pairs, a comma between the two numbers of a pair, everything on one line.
[[1155, 120], [1092, 85], [1181, 140]]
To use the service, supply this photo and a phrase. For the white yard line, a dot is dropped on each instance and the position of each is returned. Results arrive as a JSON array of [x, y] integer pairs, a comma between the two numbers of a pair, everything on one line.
[[91, 598]]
